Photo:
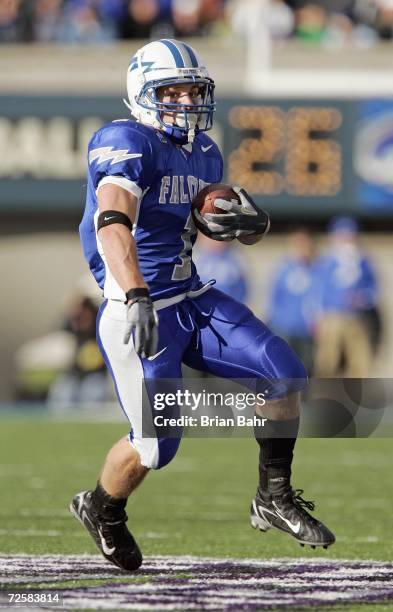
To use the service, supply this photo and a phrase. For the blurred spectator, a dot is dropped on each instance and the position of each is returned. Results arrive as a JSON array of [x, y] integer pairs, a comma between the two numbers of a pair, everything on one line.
[[9, 21], [81, 24], [170, 18], [142, 16], [85, 380], [377, 14], [185, 17], [331, 23], [281, 19], [348, 294], [111, 10], [65, 366], [47, 19], [384, 19], [211, 10], [338, 22], [339, 31], [364, 11], [219, 260], [279, 16], [311, 22], [291, 310]]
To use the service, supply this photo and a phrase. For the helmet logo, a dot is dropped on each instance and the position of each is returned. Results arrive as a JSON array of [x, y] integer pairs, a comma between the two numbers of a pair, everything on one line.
[[146, 66]]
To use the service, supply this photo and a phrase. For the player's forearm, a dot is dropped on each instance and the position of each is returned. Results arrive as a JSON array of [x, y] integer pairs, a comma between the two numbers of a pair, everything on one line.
[[121, 256]]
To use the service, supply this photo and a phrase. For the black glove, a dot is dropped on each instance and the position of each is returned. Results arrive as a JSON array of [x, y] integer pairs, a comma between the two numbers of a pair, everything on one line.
[[244, 219], [142, 319]]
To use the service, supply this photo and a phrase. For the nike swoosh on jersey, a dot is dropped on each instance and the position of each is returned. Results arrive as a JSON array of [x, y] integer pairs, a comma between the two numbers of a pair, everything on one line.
[[105, 547], [157, 354], [204, 149]]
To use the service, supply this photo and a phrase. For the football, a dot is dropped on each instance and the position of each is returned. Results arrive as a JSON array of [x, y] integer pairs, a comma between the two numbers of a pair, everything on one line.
[[204, 201]]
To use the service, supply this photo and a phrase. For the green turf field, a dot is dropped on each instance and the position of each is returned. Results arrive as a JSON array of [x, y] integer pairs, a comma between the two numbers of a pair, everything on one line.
[[197, 505]]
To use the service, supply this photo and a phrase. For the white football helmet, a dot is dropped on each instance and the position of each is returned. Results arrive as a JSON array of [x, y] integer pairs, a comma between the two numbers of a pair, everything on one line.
[[163, 63]]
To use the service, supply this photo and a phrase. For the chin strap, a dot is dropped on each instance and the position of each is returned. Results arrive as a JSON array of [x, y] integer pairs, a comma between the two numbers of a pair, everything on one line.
[[179, 137]]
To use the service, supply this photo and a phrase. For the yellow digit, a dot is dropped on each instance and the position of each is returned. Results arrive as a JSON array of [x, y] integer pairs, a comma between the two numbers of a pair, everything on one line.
[[312, 161], [252, 164]]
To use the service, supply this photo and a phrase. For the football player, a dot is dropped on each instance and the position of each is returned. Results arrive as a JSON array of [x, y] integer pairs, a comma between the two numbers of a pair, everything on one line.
[[137, 234]]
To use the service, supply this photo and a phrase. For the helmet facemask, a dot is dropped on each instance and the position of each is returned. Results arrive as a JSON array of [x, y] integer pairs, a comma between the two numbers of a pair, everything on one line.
[[180, 121]]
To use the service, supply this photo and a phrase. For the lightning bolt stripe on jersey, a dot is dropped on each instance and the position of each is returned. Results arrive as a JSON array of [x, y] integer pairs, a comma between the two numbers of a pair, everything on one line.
[[104, 154]]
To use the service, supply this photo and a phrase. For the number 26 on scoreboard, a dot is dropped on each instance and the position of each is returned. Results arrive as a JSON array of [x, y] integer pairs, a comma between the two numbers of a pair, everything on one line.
[[287, 152]]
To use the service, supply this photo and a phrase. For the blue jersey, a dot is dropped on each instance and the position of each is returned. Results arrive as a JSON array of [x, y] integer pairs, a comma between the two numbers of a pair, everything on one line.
[[292, 308], [347, 281], [165, 178]]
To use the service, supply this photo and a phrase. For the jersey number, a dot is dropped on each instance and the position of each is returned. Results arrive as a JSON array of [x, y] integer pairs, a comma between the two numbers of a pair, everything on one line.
[[183, 270]]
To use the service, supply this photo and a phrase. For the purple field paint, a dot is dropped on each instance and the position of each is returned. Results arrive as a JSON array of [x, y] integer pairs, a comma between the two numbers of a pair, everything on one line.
[[211, 584]]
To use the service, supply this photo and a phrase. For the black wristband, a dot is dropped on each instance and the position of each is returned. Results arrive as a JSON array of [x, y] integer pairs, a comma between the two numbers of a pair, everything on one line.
[[136, 293]]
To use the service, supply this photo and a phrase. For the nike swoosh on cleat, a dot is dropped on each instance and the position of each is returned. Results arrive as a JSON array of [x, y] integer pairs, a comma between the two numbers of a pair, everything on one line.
[[295, 527], [204, 149], [157, 354], [105, 548]]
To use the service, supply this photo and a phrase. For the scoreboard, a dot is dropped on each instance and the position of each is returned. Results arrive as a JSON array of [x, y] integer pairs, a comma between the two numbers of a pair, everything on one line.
[[294, 152], [313, 158], [298, 158], [293, 156]]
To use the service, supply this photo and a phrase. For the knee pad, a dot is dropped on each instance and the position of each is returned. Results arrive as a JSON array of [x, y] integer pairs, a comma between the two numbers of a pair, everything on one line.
[[155, 453], [286, 370]]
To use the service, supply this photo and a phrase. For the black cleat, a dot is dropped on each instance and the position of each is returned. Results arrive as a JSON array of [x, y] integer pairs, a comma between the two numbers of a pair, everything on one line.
[[112, 537], [287, 512]]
